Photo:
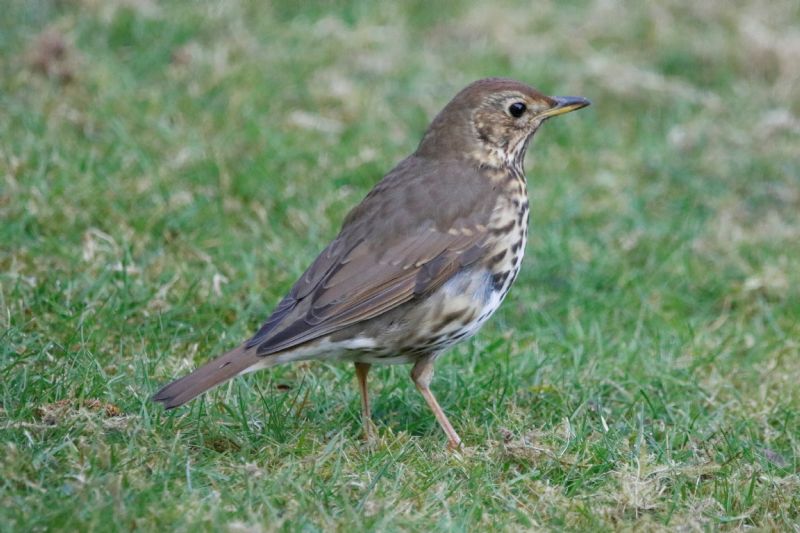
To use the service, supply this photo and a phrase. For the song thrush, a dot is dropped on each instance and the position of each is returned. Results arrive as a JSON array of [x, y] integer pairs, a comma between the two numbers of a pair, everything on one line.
[[421, 263]]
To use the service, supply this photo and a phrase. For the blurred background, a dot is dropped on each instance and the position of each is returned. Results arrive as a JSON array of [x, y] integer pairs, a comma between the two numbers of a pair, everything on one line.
[[168, 169]]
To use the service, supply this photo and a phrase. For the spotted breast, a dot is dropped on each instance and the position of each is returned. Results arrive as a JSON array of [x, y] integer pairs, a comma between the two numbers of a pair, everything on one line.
[[488, 283], [458, 309]]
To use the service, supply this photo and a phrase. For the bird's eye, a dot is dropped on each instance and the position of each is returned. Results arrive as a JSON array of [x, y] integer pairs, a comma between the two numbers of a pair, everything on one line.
[[517, 109]]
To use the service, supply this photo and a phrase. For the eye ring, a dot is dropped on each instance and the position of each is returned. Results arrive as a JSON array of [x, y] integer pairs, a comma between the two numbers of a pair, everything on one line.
[[517, 109]]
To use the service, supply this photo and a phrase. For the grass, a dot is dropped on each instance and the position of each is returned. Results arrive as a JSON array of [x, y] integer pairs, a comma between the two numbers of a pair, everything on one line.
[[168, 170]]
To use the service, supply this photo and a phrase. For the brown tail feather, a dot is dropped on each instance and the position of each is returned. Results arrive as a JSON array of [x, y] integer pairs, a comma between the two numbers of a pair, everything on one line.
[[206, 377]]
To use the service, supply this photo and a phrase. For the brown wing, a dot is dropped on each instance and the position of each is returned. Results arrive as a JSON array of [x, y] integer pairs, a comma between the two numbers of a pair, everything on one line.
[[384, 257]]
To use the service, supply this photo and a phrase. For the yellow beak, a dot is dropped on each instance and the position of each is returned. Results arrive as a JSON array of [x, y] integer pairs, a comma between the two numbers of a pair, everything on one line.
[[565, 104]]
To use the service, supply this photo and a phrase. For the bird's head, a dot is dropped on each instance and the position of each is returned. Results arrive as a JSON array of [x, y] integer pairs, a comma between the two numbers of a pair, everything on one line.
[[491, 122]]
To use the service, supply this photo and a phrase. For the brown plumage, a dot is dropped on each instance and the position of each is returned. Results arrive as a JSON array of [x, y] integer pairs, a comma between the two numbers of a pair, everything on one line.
[[421, 263]]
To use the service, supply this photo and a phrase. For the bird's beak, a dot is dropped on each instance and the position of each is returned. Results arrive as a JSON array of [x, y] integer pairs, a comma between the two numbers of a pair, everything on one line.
[[565, 104]]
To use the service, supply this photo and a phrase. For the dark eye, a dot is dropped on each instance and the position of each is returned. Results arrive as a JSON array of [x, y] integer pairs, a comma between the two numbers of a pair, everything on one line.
[[517, 109]]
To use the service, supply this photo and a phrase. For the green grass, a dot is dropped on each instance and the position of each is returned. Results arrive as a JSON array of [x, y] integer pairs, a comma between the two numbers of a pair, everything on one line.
[[166, 179]]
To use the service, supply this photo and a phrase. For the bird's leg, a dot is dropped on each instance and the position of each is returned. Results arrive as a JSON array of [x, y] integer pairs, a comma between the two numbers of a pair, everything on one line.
[[421, 374], [362, 369]]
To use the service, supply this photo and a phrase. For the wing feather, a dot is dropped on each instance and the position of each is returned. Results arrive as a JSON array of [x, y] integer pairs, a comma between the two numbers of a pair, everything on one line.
[[380, 261], [371, 287]]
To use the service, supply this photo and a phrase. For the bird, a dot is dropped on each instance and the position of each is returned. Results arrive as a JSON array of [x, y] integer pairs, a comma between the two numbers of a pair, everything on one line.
[[420, 264]]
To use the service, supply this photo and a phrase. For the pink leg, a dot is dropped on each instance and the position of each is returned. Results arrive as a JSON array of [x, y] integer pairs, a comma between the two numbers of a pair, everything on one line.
[[362, 369], [421, 374]]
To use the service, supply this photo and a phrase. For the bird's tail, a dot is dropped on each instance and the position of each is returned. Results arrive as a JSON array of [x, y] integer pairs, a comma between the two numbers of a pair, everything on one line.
[[207, 377]]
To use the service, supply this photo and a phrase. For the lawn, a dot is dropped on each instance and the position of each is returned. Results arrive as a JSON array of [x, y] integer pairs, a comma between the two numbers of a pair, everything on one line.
[[168, 169]]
